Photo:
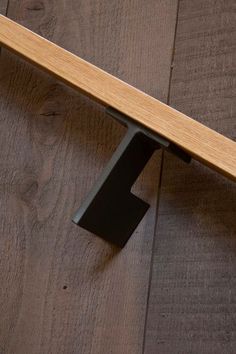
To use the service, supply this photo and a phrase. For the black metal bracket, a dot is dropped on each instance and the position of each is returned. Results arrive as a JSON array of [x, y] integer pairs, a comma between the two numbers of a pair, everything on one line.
[[110, 210]]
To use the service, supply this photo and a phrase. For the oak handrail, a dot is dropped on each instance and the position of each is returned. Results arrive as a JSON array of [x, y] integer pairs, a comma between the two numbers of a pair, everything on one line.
[[204, 144]]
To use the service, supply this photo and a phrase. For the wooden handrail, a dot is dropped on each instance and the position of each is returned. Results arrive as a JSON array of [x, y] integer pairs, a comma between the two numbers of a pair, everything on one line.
[[201, 142]]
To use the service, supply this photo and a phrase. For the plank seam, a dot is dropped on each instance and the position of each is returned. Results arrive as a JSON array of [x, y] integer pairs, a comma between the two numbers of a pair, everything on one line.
[[159, 191]]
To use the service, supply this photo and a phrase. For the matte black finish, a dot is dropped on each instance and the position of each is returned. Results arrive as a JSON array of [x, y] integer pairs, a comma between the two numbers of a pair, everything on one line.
[[111, 211]]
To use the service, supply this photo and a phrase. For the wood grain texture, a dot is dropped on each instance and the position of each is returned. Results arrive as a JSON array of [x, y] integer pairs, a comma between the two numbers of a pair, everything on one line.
[[62, 289], [193, 292], [206, 145]]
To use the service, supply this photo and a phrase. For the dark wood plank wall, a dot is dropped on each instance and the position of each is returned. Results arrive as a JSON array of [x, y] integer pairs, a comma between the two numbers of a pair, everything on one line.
[[3, 7], [62, 289], [192, 307]]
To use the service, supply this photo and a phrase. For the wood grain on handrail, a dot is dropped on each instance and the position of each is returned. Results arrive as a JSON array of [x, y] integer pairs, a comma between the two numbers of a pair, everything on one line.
[[204, 144]]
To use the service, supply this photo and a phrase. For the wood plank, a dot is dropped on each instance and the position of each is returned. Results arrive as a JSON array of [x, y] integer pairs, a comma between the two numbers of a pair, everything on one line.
[[62, 289], [192, 301], [206, 145]]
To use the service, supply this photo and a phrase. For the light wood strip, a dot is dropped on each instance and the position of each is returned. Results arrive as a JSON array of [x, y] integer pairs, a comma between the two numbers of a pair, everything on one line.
[[206, 145]]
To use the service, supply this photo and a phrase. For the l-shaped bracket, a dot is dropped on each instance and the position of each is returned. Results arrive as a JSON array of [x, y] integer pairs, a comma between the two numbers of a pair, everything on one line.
[[110, 210]]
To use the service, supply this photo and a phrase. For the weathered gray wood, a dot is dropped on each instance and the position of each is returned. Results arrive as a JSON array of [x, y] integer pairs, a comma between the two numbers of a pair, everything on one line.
[[62, 289], [3, 7], [192, 302]]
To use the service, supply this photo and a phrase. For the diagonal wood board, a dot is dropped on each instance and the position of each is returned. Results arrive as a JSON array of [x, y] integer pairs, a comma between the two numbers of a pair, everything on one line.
[[204, 144]]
